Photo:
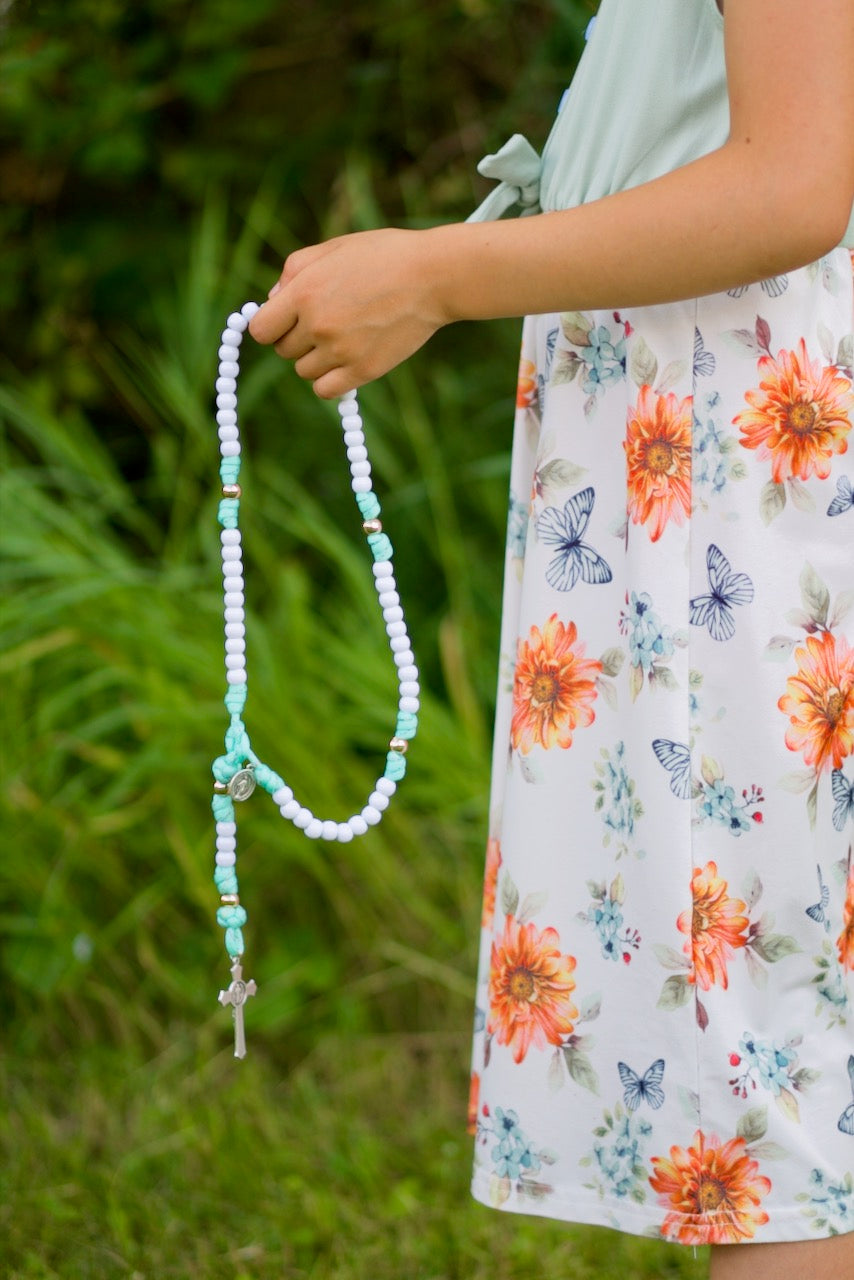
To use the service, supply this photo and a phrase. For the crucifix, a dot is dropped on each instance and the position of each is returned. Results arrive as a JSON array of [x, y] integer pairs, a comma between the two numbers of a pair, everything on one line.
[[237, 995]]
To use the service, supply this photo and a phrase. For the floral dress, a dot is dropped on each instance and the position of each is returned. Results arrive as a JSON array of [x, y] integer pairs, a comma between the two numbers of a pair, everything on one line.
[[664, 1037]]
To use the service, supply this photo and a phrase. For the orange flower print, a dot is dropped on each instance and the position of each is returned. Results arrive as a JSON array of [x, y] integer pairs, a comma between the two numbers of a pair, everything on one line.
[[845, 941], [490, 883], [819, 701], [799, 415], [553, 689], [658, 460], [530, 985], [526, 387], [716, 926], [474, 1099], [712, 1190]]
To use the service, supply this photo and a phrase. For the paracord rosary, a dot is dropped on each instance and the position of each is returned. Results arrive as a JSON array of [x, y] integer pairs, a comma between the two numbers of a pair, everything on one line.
[[239, 771]]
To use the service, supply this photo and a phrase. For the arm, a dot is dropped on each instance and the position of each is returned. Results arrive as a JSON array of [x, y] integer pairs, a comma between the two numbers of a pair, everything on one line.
[[777, 195]]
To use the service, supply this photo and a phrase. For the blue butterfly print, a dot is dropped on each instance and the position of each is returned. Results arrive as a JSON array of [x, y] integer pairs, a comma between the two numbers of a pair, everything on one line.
[[727, 589], [676, 758], [773, 287], [846, 1120], [844, 500], [704, 361], [843, 794], [817, 911], [575, 559], [647, 1087]]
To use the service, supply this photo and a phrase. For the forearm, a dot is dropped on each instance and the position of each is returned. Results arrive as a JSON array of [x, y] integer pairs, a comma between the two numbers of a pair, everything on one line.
[[724, 220]]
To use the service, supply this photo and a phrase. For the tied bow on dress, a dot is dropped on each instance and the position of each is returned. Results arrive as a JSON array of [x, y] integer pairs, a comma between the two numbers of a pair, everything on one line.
[[516, 168]]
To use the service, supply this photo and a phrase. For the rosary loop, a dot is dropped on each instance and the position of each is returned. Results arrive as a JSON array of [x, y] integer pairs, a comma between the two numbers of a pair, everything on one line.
[[239, 771]]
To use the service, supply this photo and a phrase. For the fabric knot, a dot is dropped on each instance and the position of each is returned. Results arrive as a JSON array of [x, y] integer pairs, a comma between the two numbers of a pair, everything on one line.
[[517, 169], [231, 917]]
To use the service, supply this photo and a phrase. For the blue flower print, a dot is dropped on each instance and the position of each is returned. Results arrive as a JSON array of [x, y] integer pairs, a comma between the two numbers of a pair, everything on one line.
[[617, 1155], [517, 527], [606, 915], [718, 804], [829, 1203], [651, 643], [616, 800], [512, 1152], [604, 360], [715, 458]]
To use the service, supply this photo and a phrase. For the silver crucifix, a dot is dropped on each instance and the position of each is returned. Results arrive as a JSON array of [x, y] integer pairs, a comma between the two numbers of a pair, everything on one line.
[[237, 995]]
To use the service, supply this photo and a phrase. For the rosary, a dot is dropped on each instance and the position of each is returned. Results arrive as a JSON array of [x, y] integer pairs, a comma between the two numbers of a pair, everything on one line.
[[239, 771]]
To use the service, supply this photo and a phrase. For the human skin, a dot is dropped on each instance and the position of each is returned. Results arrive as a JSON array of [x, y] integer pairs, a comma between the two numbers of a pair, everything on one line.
[[775, 196]]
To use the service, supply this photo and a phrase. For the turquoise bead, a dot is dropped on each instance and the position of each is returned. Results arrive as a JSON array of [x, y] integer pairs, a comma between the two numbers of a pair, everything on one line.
[[407, 724], [229, 470], [225, 880], [234, 942], [369, 505], [224, 769], [395, 766], [223, 808], [235, 698], [380, 545], [267, 778], [231, 917], [227, 513]]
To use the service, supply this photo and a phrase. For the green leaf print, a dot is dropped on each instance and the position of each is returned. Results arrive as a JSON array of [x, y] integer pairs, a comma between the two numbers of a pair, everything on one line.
[[675, 992], [581, 1069], [752, 1126], [775, 946], [644, 365], [772, 501]]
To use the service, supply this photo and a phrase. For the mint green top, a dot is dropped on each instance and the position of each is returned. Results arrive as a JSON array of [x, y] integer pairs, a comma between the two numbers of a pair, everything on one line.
[[649, 95]]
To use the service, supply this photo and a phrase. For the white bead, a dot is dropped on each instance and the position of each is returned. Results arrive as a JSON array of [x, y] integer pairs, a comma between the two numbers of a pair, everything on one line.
[[387, 786], [236, 677], [283, 796], [230, 537], [290, 810], [233, 600], [404, 658], [406, 688], [229, 353], [226, 400], [237, 322], [231, 550], [399, 644], [236, 631], [329, 830], [396, 631], [226, 828], [352, 422], [408, 673], [248, 309], [361, 484], [234, 645], [226, 859], [388, 599], [230, 449], [371, 815], [233, 584], [348, 406], [228, 433], [408, 704], [378, 801], [303, 818], [225, 384], [357, 824], [382, 569], [360, 468], [226, 844], [314, 830], [353, 437], [230, 338], [234, 617], [345, 832], [393, 613], [235, 662], [228, 368], [232, 568], [357, 453], [226, 417]]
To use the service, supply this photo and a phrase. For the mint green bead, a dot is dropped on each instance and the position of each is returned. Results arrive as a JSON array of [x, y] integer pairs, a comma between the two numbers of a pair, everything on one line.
[[235, 698], [227, 513], [369, 505], [267, 778], [407, 724], [229, 469], [223, 808], [395, 766], [225, 880], [380, 545], [231, 917], [223, 769], [234, 942]]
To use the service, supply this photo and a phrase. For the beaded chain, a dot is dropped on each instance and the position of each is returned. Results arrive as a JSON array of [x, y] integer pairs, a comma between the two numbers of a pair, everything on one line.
[[239, 770]]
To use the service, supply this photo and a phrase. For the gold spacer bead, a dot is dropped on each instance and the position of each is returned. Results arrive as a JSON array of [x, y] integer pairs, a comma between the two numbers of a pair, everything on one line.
[[230, 899], [372, 526], [220, 788], [231, 491], [399, 744]]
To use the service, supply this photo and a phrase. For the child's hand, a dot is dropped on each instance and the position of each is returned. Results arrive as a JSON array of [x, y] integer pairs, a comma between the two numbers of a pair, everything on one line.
[[349, 310]]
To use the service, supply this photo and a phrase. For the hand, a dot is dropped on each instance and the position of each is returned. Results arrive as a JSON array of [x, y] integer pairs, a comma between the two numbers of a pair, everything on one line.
[[349, 310]]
